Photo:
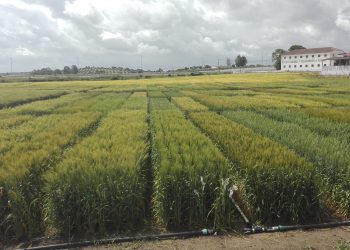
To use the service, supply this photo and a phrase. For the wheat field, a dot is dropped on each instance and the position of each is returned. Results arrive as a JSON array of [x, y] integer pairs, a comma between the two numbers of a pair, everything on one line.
[[95, 158]]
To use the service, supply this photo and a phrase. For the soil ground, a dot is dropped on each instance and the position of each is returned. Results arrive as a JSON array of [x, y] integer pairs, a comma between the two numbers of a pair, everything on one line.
[[337, 238]]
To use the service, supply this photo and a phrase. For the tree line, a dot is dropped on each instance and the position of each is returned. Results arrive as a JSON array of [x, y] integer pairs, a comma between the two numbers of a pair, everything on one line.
[[48, 71]]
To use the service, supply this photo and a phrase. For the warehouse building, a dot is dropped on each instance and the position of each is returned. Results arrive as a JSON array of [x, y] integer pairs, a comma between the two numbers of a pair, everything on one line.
[[310, 59]]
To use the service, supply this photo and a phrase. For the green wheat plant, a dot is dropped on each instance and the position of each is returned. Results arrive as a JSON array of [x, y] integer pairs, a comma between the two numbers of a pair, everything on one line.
[[32, 151], [100, 185], [189, 175], [279, 185], [188, 104], [330, 155]]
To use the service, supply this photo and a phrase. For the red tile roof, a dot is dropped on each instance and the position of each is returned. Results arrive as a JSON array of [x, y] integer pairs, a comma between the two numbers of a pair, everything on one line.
[[311, 51]]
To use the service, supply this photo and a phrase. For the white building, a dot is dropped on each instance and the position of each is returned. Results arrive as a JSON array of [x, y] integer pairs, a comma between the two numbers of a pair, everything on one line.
[[309, 59]]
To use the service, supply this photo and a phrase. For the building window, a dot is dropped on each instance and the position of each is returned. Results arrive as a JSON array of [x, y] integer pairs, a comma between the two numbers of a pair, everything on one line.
[[319, 55], [295, 66], [301, 56], [284, 57], [290, 57], [307, 56], [290, 66], [325, 55], [301, 66], [295, 56], [306, 66], [312, 65], [324, 65], [318, 65], [284, 66], [313, 55]]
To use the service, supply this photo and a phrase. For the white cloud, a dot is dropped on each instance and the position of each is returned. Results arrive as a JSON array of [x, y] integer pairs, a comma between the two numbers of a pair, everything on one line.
[[24, 52], [343, 21], [105, 35], [250, 46], [188, 32], [144, 48]]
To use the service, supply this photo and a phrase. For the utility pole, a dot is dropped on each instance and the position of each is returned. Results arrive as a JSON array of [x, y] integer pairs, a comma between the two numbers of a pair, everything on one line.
[[219, 65], [141, 64]]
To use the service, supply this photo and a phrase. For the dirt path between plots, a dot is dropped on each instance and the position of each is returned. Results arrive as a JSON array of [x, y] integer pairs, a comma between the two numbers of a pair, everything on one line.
[[316, 239]]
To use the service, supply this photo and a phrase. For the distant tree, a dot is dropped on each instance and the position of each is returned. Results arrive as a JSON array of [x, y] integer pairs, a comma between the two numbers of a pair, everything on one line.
[[43, 71], [160, 70], [296, 46], [207, 66], [276, 58], [74, 69], [57, 71], [240, 61], [66, 70], [228, 62]]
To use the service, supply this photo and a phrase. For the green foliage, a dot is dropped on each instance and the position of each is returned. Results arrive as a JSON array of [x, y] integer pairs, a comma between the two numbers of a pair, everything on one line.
[[191, 176], [155, 93], [296, 46], [34, 149], [286, 139], [321, 126], [159, 103], [280, 186], [138, 100], [330, 155], [188, 104], [241, 61], [276, 58], [342, 244], [99, 187]]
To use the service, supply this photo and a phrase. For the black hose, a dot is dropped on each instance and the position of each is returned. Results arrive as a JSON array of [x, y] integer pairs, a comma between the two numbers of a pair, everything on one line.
[[280, 228], [124, 239]]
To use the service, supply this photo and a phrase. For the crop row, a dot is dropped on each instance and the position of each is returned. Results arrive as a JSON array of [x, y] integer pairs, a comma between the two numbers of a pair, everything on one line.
[[10, 98], [26, 157], [191, 176], [138, 100], [247, 102], [321, 126], [100, 184], [188, 104], [332, 114], [33, 147], [160, 103], [278, 184], [328, 154]]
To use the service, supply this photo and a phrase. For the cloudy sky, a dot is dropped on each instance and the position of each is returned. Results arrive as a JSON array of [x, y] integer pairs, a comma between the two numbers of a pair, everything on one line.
[[168, 34]]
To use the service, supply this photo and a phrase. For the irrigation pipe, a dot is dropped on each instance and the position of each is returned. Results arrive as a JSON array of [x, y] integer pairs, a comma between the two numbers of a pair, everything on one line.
[[253, 229], [203, 232], [281, 228]]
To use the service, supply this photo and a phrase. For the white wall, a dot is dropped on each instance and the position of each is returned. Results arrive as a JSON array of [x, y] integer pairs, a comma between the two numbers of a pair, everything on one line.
[[306, 62], [336, 70]]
